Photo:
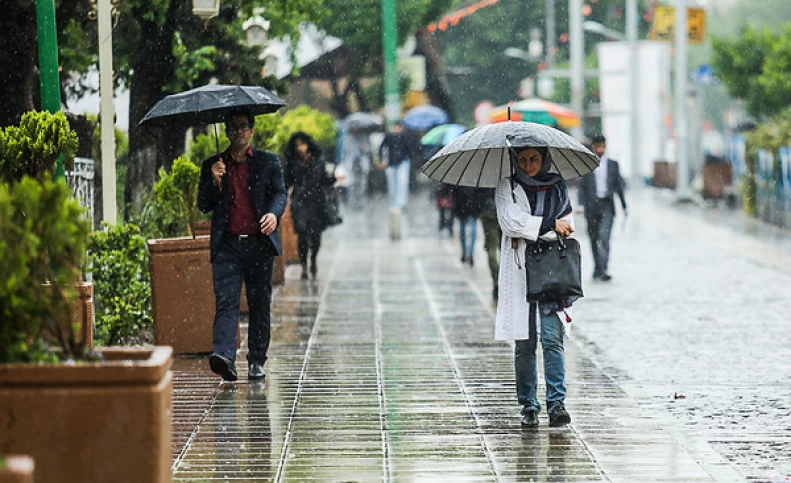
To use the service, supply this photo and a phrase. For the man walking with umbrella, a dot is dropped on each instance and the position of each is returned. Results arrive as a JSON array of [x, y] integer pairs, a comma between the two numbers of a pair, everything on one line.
[[245, 190]]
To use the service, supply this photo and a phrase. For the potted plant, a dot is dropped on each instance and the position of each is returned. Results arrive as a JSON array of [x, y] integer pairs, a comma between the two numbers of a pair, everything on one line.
[[182, 295], [82, 414], [32, 149]]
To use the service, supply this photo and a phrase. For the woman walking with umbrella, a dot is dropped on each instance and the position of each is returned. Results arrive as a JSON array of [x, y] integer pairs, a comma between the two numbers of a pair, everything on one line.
[[307, 178], [533, 204], [536, 264]]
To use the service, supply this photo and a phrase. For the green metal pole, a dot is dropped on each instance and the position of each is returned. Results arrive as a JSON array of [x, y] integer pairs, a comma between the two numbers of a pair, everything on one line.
[[389, 46], [48, 62]]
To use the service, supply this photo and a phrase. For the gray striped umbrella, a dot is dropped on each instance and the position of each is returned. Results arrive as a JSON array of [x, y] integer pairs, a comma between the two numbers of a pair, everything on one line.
[[479, 157]]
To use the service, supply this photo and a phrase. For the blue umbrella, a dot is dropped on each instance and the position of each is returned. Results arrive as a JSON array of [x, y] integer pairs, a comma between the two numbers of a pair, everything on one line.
[[442, 135], [423, 118]]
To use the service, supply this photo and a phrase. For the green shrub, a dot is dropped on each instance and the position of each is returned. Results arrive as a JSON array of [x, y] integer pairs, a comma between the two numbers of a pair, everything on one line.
[[33, 147], [319, 125], [204, 146], [118, 257], [267, 133], [171, 211], [43, 235]]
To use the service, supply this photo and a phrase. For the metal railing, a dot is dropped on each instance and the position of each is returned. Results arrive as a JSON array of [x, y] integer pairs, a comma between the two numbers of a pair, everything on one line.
[[80, 180]]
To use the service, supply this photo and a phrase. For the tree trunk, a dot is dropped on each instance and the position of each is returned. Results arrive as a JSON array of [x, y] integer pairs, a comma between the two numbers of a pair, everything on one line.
[[151, 71], [437, 85], [17, 69]]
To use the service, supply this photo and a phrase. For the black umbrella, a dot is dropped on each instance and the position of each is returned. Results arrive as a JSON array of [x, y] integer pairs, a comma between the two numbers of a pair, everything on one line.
[[209, 105], [480, 157]]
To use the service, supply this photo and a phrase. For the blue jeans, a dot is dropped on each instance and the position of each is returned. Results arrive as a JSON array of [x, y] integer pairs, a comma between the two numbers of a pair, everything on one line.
[[398, 184], [554, 363], [468, 227]]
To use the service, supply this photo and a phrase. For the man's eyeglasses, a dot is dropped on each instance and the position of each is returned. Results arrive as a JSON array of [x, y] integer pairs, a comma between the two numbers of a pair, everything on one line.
[[237, 127]]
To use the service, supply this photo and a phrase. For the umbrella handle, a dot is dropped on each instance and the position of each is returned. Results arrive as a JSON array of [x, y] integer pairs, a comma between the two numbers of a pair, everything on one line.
[[216, 138]]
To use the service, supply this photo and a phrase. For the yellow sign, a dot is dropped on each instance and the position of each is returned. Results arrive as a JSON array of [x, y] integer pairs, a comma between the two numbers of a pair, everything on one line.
[[665, 21]]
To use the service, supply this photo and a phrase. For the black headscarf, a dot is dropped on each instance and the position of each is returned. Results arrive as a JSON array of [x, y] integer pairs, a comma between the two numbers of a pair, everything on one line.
[[552, 207]]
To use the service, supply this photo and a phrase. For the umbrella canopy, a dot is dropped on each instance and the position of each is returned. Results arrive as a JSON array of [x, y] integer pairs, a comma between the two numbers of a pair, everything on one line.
[[480, 157], [538, 111], [363, 120], [442, 135], [423, 118], [209, 105]]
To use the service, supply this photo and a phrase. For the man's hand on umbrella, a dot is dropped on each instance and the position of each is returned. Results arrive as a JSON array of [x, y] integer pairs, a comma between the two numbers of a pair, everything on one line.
[[218, 171], [563, 228], [268, 223]]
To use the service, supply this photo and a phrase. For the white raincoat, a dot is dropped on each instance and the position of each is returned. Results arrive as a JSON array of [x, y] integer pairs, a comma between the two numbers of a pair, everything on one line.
[[516, 221]]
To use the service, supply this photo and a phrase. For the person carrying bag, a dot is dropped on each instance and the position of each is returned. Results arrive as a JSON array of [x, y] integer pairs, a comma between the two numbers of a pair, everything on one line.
[[539, 278]]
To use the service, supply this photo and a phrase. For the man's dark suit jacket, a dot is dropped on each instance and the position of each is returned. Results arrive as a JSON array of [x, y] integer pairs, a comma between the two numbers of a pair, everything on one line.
[[615, 185], [266, 184]]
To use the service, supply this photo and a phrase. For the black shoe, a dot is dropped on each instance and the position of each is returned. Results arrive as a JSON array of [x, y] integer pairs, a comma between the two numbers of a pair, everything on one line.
[[463, 260], [558, 415], [304, 272], [529, 418], [495, 293], [255, 371], [313, 270], [469, 260], [605, 277], [223, 367]]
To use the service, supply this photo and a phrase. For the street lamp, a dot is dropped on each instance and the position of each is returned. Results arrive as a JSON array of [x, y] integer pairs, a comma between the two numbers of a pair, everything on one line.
[[256, 29], [598, 28], [206, 9]]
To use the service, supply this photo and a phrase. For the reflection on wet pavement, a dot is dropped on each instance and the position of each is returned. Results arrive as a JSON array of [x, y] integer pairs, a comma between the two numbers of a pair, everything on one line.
[[385, 370]]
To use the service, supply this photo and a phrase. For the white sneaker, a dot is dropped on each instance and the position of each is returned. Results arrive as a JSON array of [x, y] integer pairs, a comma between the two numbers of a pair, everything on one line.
[[395, 223]]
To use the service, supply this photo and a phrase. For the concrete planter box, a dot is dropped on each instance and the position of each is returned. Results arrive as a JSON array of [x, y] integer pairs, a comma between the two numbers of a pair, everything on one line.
[[664, 175], [16, 469], [92, 422], [716, 177], [182, 295]]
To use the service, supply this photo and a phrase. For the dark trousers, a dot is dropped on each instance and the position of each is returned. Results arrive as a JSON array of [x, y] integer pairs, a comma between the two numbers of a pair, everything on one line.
[[446, 220], [308, 243], [600, 215], [250, 261]]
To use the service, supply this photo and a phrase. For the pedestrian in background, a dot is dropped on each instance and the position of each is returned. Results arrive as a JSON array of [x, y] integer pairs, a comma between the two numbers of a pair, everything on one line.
[[443, 197], [467, 207], [596, 194], [244, 189], [533, 204], [492, 234], [356, 163], [308, 181], [395, 155]]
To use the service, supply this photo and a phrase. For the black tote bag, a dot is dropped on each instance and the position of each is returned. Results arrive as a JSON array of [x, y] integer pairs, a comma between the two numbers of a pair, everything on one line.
[[554, 270]]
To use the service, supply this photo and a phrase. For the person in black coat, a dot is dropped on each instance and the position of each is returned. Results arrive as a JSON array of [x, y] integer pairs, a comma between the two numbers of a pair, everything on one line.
[[596, 194], [307, 177], [244, 189], [467, 207]]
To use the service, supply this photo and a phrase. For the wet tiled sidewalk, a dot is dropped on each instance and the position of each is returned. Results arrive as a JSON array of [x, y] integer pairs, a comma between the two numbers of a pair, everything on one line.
[[385, 370]]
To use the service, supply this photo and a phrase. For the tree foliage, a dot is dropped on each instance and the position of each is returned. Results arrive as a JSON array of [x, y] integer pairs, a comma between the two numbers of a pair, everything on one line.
[[358, 24], [749, 66], [474, 48]]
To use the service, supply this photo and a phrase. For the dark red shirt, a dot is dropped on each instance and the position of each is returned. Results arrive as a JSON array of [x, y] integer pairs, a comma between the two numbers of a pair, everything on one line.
[[242, 219]]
